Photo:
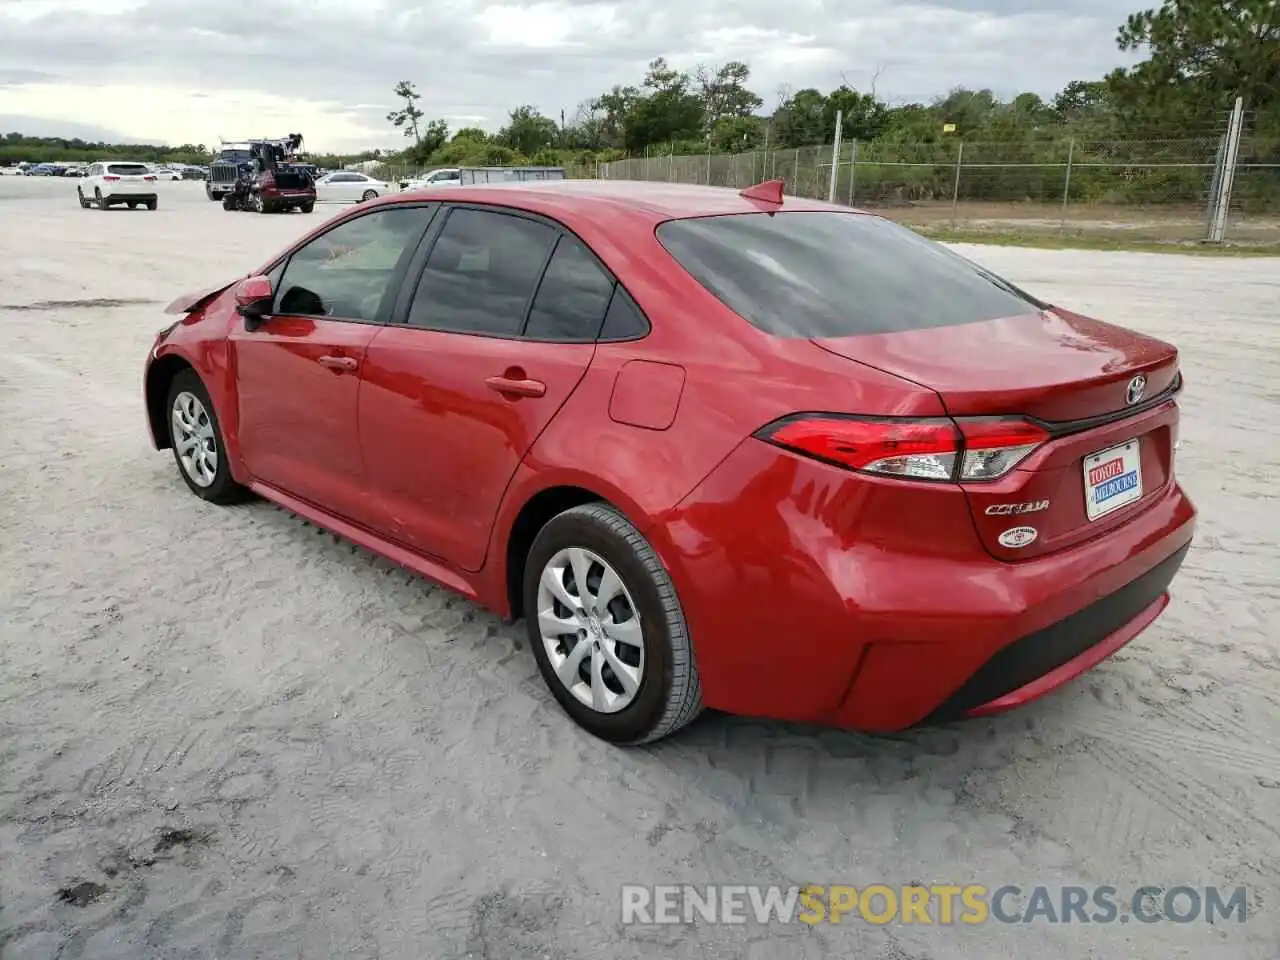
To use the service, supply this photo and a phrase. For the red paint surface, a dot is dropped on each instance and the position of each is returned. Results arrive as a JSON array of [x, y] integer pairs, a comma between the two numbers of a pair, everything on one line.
[[647, 394], [812, 592]]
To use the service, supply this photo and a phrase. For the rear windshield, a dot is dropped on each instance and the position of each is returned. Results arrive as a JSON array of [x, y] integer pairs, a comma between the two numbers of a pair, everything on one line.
[[127, 169], [820, 274]]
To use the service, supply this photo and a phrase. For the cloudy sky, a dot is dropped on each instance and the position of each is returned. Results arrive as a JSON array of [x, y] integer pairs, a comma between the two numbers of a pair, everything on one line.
[[190, 71]]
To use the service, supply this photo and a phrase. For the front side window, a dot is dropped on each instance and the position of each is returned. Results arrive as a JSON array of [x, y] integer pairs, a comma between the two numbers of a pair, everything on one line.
[[346, 272], [481, 273], [833, 274], [573, 296]]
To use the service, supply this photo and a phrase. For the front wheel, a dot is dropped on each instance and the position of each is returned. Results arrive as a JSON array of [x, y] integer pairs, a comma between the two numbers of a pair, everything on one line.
[[607, 629], [196, 439]]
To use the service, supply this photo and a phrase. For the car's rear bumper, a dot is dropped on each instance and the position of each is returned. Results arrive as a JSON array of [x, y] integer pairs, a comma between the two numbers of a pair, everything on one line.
[[1040, 662], [816, 596], [121, 196]]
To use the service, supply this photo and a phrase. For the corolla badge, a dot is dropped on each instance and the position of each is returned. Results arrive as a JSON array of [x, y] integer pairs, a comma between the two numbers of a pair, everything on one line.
[[1017, 537], [1137, 387], [1011, 509]]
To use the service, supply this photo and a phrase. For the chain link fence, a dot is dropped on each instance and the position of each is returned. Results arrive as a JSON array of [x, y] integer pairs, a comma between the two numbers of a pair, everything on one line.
[[1151, 190]]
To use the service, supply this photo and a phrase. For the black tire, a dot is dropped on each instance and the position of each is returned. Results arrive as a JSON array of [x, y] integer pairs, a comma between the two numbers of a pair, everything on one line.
[[228, 203], [368, 195], [152, 204], [223, 489], [84, 203], [210, 194], [307, 207], [99, 200], [670, 693], [133, 204]]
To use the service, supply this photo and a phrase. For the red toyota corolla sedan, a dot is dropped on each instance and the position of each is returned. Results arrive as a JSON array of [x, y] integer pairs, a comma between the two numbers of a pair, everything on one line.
[[766, 455]]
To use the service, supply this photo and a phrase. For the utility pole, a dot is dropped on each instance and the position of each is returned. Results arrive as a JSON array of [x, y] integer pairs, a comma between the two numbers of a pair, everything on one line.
[[1218, 231], [835, 158]]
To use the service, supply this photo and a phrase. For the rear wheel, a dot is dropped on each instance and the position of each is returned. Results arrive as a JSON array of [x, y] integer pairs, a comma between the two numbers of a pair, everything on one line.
[[153, 203], [196, 439], [308, 206], [133, 204], [228, 203], [84, 203], [99, 200], [607, 628], [368, 195]]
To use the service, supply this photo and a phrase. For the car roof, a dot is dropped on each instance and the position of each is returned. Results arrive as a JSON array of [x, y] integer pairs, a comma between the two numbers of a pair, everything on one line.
[[639, 200]]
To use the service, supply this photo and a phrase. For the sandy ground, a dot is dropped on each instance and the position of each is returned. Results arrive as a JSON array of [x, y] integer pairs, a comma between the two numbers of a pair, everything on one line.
[[224, 733]]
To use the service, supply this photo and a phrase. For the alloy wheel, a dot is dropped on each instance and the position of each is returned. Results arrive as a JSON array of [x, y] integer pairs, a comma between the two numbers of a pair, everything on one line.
[[590, 630], [194, 439]]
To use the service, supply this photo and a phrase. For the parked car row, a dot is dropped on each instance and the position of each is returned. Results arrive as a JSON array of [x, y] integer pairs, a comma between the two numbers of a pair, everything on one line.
[[162, 171]]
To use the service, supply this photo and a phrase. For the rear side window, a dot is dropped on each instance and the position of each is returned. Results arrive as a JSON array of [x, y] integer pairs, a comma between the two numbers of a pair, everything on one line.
[[819, 274], [481, 273], [572, 298], [127, 169]]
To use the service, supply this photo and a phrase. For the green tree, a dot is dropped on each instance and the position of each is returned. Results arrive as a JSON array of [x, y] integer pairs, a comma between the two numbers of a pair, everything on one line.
[[864, 117], [724, 92], [1202, 55], [735, 134], [968, 109], [1081, 100], [670, 112], [528, 131], [434, 136], [801, 119], [406, 118]]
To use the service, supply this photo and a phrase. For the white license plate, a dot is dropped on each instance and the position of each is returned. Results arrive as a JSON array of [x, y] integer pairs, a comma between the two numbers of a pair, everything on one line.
[[1112, 479]]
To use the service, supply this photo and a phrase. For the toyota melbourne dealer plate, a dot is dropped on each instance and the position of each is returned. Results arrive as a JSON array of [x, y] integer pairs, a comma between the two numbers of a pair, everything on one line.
[[1112, 479]]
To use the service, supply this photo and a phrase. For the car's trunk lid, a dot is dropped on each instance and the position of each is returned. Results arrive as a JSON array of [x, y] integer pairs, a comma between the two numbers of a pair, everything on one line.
[[1051, 364], [1102, 392]]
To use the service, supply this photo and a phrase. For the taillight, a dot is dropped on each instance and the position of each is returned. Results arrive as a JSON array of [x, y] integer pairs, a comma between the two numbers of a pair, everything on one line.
[[149, 178], [994, 446], [964, 450], [111, 178], [920, 449]]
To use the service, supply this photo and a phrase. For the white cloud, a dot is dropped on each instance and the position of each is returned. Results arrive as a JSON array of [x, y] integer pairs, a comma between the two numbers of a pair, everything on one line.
[[188, 70]]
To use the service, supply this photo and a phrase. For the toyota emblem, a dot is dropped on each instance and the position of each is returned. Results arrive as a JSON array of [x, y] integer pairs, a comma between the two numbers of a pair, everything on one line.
[[1137, 386]]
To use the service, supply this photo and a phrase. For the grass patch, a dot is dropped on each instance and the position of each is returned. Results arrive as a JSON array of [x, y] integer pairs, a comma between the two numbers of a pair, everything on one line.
[[1051, 241]]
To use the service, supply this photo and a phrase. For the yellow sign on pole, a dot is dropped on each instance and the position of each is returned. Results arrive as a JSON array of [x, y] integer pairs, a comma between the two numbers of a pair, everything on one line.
[[948, 128]]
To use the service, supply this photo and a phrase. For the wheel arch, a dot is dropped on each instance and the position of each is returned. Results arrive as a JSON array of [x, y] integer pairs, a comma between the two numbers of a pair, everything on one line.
[[159, 378], [536, 512]]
